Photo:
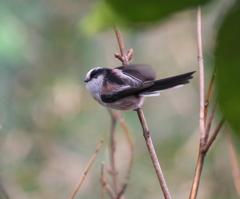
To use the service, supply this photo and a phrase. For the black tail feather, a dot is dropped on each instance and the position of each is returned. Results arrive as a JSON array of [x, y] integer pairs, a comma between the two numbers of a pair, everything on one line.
[[170, 82]]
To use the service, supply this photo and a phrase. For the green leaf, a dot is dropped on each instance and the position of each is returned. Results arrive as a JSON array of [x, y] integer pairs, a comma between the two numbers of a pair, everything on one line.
[[142, 11], [228, 68], [133, 13]]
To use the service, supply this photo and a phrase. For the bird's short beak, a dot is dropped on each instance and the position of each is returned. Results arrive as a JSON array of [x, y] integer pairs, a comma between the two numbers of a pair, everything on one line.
[[86, 80]]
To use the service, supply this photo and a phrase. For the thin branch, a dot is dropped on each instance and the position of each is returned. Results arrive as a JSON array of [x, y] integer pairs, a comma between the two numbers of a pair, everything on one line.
[[113, 170], [208, 96], [124, 58], [102, 182], [214, 135], [234, 162], [130, 143], [201, 154], [201, 75], [86, 169], [106, 185], [153, 155], [209, 123]]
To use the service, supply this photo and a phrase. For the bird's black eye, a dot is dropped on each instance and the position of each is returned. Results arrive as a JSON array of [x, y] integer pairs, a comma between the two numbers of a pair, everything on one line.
[[95, 76]]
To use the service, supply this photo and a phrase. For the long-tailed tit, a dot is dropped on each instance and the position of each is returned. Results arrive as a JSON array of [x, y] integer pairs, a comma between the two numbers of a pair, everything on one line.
[[125, 87]]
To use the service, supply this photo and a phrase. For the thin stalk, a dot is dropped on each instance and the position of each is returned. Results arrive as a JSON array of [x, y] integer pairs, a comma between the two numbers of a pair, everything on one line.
[[153, 154]]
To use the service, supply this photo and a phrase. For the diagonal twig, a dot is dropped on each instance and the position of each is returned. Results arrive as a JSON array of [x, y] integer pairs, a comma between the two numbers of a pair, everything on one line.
[[210, 121], [86, 170], [153, 155], [214, 135], [106, 185], [208, 96], [124, 58]]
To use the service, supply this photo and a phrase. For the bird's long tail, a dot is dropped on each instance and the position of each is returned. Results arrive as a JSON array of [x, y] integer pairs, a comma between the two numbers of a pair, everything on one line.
[[170, 82]]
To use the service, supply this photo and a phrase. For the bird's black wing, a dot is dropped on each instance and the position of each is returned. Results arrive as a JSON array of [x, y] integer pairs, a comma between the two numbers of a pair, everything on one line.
[[135, 78], [127, 91], [140, 73]]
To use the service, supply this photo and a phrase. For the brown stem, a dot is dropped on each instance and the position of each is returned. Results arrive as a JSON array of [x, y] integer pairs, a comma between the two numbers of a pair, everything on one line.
[[198, 172], [123, 57], [214, 135], [113, 170], [208, 96], [209, 123], [201, 154], [86, 169], [153, 155], [106, 185], [201, 75], [102, 182], [130, 143]]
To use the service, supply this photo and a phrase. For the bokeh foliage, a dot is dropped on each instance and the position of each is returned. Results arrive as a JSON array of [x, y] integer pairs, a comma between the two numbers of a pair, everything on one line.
[[50, 124], [228, 67]]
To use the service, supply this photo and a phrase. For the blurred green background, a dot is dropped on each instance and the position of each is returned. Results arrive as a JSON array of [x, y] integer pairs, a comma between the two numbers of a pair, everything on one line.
[[50, 125]]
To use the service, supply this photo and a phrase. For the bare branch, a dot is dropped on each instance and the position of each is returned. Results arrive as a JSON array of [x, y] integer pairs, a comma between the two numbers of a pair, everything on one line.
[[86, 169], [215, 133], [130, 54], [102, 182], [201, 155], [106, 185], [208, 96], [113, 170], [153, 155], [209, 123], [130, 143], [124, 58], [201, 75]]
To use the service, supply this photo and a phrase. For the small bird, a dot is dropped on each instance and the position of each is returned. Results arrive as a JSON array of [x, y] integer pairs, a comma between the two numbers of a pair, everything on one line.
[[125, 87]]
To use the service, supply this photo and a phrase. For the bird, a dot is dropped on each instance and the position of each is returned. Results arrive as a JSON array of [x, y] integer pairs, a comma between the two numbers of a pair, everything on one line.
[[125, 87]]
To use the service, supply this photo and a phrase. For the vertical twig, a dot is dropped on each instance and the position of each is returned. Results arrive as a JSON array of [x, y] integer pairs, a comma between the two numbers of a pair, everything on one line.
[[201, 75], [121, 45], [102, 181], [86, 169], [130, 143], [113, 170], [201, 154], [204, 133], [124, 58]]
